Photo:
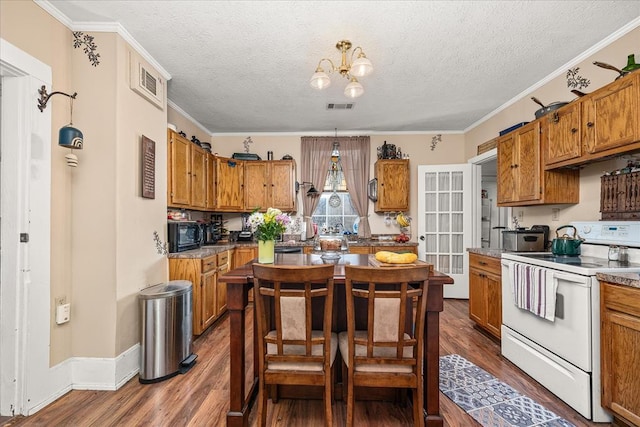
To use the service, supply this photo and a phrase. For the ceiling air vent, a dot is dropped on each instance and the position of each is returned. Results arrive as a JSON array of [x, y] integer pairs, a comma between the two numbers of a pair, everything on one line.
[[348, 106], [146, 82]]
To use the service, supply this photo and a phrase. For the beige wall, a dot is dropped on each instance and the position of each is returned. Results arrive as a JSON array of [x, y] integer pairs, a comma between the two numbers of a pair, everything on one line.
[[556, 90], [186, 125], [102, 230]]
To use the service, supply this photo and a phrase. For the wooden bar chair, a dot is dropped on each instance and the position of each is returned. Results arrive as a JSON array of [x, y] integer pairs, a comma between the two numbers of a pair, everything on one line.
[[290, 351], [389, 352]]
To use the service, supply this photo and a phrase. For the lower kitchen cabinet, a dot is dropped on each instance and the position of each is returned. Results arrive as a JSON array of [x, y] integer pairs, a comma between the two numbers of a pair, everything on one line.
[[244, 254], [485, 293], [620, 350], [209, 295]]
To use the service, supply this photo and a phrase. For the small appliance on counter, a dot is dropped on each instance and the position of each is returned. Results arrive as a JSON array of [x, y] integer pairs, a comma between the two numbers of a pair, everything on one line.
[[213, 230], [523, 240], [184, 235], [245, 235]]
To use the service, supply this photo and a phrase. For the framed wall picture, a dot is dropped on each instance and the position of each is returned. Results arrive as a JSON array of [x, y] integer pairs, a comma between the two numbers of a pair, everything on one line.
[[148, 160]]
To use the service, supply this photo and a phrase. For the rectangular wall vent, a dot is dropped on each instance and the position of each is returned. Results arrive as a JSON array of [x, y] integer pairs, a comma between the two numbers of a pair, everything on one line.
[[146, 82], [348, 106]]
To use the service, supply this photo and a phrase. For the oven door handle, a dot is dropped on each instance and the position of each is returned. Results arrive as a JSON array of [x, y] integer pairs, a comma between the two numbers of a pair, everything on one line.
[[570, 278]]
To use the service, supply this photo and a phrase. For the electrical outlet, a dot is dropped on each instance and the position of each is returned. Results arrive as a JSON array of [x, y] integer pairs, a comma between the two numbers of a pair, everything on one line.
[[60, 301], [555, 214], [520, 216]]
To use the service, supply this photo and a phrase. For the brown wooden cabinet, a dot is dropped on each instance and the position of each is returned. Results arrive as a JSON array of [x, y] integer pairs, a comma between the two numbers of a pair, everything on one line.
[[599, 125], [210, 202], [209, 295], [229, 185], [564, 141], [198, 177], [485, 293], [178, 170], [269, 183], [620, 196], [521, 178], [393, 185], [189, 177], [244, 254], [620, 350]]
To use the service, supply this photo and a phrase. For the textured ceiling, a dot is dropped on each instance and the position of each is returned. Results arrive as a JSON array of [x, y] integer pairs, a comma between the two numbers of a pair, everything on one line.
[[244, 66]]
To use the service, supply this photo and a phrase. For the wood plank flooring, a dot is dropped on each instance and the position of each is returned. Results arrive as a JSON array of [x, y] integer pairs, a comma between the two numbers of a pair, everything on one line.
[[200, 397]]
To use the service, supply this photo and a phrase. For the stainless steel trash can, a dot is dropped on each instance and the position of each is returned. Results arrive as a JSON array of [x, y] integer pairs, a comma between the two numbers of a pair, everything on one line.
[[166, 330]]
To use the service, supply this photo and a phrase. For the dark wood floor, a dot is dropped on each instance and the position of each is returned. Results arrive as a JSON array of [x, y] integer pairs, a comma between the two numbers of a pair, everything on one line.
[[200, 397]]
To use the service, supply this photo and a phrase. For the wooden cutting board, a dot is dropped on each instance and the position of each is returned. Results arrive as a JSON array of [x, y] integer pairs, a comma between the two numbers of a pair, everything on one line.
[[374, 262]]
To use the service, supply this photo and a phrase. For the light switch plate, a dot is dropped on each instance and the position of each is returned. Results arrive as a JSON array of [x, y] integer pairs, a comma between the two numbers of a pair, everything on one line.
[[63, 313]]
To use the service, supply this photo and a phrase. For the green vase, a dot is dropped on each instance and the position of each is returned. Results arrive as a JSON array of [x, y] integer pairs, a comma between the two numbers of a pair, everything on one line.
[[631, 64], [266, 251]]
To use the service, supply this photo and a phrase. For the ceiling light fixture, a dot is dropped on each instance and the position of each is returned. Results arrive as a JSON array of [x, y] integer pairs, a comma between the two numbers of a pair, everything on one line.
[[359, 68]]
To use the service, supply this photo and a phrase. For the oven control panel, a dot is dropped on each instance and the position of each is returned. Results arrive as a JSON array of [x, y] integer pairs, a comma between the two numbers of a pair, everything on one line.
[[626, 233]]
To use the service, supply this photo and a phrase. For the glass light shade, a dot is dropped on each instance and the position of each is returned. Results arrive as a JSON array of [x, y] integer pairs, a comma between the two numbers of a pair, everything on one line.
[[354, 89], [320, 80], [361, 67]]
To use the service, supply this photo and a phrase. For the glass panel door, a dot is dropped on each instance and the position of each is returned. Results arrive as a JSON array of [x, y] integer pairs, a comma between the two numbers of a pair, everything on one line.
[[444, 221]]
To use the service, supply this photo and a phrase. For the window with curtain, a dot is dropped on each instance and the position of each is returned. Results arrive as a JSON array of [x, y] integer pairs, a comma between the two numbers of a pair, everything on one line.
[[334, 205]]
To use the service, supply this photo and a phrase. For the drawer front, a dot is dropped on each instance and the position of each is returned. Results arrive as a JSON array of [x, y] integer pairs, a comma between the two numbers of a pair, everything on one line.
[[621, 298], [209, 263], [486, 263], [223, 258]]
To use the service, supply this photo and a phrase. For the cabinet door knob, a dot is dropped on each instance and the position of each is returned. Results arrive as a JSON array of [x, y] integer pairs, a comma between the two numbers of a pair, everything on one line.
[[574, 130], [590, 124]]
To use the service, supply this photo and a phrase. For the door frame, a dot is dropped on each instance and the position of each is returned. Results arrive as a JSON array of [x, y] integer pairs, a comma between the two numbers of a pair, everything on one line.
[[25, 207], [476, 198]]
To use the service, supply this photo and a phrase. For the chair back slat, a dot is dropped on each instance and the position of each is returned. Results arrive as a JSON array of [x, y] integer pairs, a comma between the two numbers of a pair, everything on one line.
[[291, 348], [388, 294]]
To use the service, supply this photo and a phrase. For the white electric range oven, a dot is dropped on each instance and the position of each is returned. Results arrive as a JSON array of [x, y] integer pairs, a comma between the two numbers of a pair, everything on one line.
[[551, 312]]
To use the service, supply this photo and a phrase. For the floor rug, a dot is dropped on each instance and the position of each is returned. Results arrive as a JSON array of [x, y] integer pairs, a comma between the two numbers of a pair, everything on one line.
[[490, 401]]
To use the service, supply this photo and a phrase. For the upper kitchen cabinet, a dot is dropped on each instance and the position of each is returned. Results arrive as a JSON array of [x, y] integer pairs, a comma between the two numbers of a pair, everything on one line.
[[189, 174], [178, 170], [229, 185], [393, 185], [600, 125], [521, 178], [269, 184], [198, 177], [210, 202]]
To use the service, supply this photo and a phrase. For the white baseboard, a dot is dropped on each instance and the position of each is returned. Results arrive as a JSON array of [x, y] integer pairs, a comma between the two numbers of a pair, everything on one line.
[[92, 373]]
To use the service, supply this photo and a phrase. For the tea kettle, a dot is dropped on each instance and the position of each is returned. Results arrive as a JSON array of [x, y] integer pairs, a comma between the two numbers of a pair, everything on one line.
[[566, 244]]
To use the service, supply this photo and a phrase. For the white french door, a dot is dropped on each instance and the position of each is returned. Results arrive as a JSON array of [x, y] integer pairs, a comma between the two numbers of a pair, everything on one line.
[[445, 221]]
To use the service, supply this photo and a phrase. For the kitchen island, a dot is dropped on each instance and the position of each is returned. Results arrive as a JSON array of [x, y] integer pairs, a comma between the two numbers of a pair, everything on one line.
[[239, 281]]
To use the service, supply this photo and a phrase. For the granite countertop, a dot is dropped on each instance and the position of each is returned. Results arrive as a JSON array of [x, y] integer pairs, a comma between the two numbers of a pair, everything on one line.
[[491, 252], [209, 250], [625, 279]]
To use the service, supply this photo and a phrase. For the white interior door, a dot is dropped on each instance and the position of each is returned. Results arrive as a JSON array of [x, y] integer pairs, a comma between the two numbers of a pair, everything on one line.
[[445, 221]]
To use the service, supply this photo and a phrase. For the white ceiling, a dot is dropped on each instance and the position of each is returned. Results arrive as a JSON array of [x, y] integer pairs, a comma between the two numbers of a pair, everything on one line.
[[244, 66]]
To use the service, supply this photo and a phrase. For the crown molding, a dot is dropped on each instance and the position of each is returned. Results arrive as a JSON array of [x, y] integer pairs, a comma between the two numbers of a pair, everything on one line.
[[177, 108], [104, 27], [560, 71]]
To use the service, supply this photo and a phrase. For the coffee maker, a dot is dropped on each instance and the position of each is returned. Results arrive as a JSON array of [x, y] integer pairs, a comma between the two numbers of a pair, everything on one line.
[[245, 235]]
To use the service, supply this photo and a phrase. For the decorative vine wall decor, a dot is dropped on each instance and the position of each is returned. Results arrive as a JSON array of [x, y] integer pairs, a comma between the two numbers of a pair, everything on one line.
[[435, 140], [79, 39], [246, 143], [576, 81]]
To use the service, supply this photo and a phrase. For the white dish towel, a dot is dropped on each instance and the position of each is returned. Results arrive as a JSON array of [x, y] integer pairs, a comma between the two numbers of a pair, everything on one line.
[[531, 290]]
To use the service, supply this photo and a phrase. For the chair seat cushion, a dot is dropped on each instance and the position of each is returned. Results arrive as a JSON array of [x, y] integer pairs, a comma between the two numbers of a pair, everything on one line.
[[361, 350], [316, 350]]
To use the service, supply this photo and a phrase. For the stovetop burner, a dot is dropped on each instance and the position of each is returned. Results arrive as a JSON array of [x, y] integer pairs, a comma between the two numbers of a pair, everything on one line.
[[583, 261]]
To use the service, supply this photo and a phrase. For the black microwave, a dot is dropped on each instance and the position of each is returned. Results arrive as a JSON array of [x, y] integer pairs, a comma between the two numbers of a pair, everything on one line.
[[184, 235]]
